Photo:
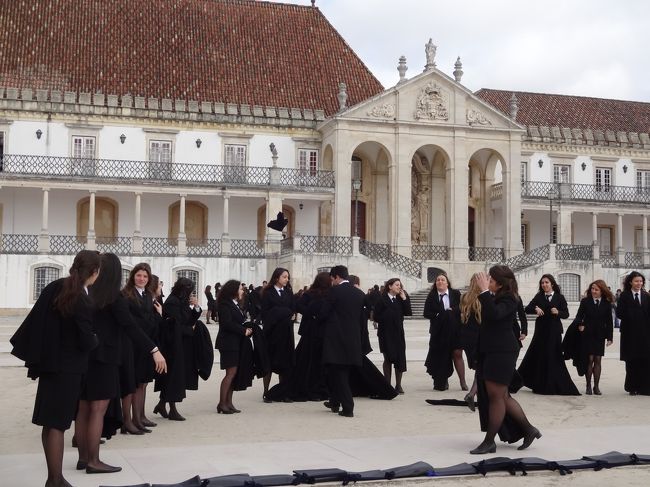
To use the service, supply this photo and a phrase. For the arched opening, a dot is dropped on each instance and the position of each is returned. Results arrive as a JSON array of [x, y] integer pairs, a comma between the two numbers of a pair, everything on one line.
[[106, 217], [289, 230], [196, 221]]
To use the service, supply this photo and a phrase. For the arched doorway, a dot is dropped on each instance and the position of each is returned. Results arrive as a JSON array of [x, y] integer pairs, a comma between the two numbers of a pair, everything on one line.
[[289, 230]]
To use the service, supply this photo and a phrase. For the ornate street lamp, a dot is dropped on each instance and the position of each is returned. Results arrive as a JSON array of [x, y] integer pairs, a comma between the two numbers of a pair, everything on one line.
[[551, 195], [356, 186]]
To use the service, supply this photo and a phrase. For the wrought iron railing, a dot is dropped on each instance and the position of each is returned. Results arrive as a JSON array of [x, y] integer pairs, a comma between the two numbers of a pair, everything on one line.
[[573, 252], [315, 244], [633, 260], [384, 254], [204, 247], [54, 167], [309, 178], [608, 260], [286, 246], [485, 254], [429, 252], [67, 244], [246, 248], [496, 191], [532, 257], [580, 192], [18, 244], [114, 245], [159, 246]]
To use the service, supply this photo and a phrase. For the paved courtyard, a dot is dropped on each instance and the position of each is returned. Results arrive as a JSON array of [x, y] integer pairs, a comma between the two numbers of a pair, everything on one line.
[[277, 438]]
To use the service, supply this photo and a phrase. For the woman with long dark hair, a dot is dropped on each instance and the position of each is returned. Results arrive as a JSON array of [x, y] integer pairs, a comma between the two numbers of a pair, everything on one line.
[[445, 349], [633, 309], [180, 312], [498, 349], [229, 340], [595, 326], [389, 314], [54, 341], [210, 312], [111, 321], [543, 369], [277, 317]]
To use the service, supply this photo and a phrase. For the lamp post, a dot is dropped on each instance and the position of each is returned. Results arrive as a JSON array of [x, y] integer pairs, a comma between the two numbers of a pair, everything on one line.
[[356, 185], [551, 195]]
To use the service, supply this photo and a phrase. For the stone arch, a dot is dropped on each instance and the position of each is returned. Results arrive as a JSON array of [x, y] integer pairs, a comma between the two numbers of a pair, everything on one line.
[[328, 158], [106, 217], [289, 230], [196, 221]]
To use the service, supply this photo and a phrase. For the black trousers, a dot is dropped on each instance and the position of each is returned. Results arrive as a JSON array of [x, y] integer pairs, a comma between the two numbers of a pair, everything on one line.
[[338, 380], [637, 376]]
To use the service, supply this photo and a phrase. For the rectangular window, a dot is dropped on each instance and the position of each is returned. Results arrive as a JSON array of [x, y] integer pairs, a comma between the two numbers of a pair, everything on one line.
[[308, 161], [605, 240], [603, 179], [160, 159], [83, 147], [524, 172], [235, 155], [561, 174], [2, 149], [554, 235], [643, 180], [638, 239], [524, 236], [42, 277]]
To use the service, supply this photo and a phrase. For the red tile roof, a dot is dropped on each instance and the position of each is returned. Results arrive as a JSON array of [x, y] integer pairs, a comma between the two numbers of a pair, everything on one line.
[[572, 111], [236, 51]]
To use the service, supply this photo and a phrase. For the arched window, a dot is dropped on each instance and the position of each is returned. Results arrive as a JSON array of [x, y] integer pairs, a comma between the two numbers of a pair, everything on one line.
[[570, 286], [106, 213], [125, 276], [44, 275], [190, 274], [196, 221]]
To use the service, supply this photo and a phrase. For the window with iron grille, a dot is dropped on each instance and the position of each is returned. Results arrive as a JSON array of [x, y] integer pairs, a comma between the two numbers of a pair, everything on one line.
[[561, 174], [308, 161], [235, 155], [524, 236], [42, 277], [524, 172], [554, 234], [643, 179], [125, 276], [570, 286], [83, 147], [191, 275]]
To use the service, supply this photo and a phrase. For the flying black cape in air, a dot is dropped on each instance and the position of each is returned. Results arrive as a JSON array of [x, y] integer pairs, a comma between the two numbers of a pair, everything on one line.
[[279, 223]]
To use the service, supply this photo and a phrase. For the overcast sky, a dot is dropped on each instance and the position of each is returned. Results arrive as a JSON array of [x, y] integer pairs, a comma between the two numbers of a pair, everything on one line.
[[572, 47]]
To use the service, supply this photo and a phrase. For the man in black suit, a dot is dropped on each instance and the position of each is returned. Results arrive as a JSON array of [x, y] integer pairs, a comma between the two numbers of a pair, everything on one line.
[[342, 340]]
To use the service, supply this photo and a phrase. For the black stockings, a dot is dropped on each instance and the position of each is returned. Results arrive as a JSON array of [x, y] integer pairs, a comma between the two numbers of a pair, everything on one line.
[[88, 430], [387, 368], [226, 390], [459, 365], [501, 403], [594, 368], [52, 440]]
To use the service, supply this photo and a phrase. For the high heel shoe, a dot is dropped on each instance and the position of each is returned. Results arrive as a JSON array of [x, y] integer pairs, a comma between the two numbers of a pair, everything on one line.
[[529, 437], [469, 399], [126, 431], [223, 410], [483, 448], [161, 409]]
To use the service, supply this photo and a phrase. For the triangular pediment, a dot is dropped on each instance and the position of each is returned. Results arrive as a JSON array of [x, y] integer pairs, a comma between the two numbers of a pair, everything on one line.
[[431, 97]]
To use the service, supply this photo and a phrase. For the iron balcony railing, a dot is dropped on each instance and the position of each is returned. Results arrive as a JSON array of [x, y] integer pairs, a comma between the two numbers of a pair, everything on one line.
[[429, 252], [315, 244], [54, 167], [574, 252], [246, 248], [205, 247], [577, 192], [384, 254], [485, 254], [67, 244], [633, 260], [18, 244], [608, 261], [527, 259], [114, 245]]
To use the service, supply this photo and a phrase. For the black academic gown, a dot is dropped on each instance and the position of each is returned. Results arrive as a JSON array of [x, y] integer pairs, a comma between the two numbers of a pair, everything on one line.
[[142, 310], [635, 340], [444, 336], [598, 324], [543, 369], [389, 315], [277, 312]]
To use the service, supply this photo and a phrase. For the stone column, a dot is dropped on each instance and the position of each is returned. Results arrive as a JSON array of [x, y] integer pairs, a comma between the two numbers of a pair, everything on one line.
[[564, 234], [343, 195], [182, 238], [226, 244], [273, 237], [594, 234], [44, 237], [456, 196], [511, 199], [90, 237], [620, 250], [136, 243], [399, 186], [644, 239]]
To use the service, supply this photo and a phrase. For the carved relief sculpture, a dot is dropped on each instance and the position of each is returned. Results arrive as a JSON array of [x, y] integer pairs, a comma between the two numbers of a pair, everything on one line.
[[386, 110], [432, 103], [474, 117], [420, 196]]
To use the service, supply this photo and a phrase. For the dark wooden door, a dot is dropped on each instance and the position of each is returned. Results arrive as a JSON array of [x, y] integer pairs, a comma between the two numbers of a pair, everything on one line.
[[359, 219]]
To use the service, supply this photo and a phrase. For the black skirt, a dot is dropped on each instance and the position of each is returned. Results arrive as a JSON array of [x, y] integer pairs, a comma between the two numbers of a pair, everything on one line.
[[127, 369], [228, 358], [101, 381], [499, 366], [56, 400]]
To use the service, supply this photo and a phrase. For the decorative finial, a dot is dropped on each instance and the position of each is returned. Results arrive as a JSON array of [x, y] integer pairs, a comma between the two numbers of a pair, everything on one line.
[[402, 68], [514, 107], [430, 51], [313, 3], [458, 72], [342, 96]]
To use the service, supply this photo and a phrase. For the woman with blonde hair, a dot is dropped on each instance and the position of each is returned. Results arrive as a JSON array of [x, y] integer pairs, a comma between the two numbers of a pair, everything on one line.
[[470, 319]]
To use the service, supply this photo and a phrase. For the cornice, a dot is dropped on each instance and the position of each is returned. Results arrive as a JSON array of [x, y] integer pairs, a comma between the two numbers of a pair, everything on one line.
[[587, 150]]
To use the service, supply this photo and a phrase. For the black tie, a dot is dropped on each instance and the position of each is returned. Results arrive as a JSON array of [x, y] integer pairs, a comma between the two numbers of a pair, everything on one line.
[[597, 302], [442, 300], [636, 299], [548, 297], [281, 293]]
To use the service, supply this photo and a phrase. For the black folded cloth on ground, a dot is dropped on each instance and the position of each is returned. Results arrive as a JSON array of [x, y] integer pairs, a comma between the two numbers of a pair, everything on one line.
[[364, 476], [320, 475], [446, 402], [417, 469], [273, 480], [137, 485], [193, 482], [612, 459], [529, 464], [234, 480], [459, 469], [495, 464]]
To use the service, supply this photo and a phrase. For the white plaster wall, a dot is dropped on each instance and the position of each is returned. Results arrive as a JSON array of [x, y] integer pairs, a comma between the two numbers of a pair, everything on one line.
[[536, 173], [110, 146], [188, 153], [586, 176], [260, 154], [306, 219]]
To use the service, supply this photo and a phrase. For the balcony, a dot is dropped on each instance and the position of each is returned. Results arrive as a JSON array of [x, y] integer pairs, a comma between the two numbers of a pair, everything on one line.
[[14, 166], [538, 190]]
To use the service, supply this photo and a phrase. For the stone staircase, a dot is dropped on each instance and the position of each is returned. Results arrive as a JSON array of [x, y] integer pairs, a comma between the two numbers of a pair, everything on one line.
[[417, 302]]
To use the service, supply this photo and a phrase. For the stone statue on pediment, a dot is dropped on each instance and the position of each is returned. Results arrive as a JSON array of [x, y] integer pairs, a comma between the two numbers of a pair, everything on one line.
[[430, 52]]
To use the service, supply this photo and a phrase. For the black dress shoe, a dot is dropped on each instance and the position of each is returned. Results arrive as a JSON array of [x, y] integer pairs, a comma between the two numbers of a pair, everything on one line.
[[224, 410], [176, 417], [399, 390], [532, 435], [148, 424], [144, 430], [597, 391], [106, 469], [469, 399], [266, 399], [347, 415], [81, 465], [484, 448], [330, 405], [125, 431]]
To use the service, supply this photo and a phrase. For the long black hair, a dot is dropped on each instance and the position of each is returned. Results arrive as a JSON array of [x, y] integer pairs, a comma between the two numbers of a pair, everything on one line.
[[183, 288], [129, 288], [229, 291], [554, 284], [107, 286], [275, 277], [85, 264], [505, 278], [627, 283]]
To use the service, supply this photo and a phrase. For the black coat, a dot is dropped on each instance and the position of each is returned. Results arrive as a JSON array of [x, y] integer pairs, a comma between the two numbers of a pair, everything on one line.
[[343, 315], [497, 316], [231, 332], [51, 343], [389, 316], [598, 323], [203, 352], [277, 313], [444, 335], [635, 325]]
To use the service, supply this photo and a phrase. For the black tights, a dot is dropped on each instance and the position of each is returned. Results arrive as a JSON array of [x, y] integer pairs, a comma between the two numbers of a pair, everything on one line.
[[594, 368], [226, 390], [388, 374], [88, 430], [501, 403], [52, 440]]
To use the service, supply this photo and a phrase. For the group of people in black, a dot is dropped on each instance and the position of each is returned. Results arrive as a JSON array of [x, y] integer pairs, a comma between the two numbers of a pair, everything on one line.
[[95, 346]]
